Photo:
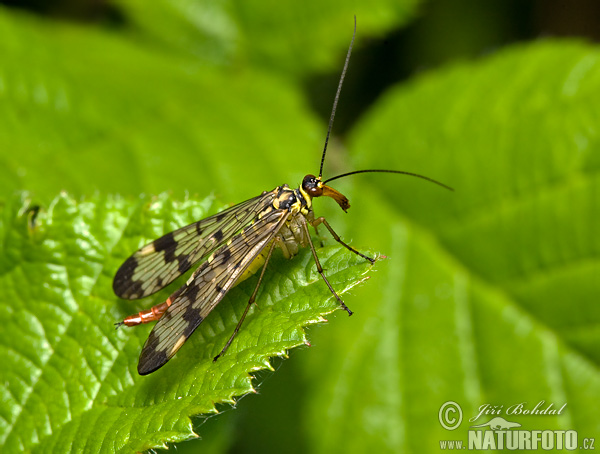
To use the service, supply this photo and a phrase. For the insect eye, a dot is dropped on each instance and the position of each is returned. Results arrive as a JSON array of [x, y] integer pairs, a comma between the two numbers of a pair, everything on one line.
[[310, 184], [315, 191]]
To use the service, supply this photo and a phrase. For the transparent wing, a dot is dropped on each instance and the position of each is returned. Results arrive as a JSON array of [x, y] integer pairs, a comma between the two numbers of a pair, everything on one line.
[[205, 289], [160, 262]]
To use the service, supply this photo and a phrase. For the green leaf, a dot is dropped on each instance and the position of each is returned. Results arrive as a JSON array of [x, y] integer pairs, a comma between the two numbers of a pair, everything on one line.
[[299, 38], [69, 380], [110, 113], [293, 38], [120, 118], [490, 294]]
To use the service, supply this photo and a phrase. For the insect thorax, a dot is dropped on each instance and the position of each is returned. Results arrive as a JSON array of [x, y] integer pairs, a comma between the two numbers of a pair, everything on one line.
[[292, 234]]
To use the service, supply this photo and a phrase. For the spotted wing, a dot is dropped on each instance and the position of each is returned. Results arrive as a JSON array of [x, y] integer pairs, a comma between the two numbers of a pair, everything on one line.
[[162, 261], [206, 288]]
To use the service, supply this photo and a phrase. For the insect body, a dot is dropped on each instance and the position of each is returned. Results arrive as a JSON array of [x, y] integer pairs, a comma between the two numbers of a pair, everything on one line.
[[231, 245]]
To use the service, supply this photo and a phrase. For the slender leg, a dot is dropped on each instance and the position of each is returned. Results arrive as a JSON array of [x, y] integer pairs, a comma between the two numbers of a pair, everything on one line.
[[250, 302], [336, 237], [320, 268], [318, 235]]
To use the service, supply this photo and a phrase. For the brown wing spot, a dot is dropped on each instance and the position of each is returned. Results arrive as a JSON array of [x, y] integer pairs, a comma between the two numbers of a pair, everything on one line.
[[218, 235], [183, 264], [124, 278], [226, 255], [133, 290], [192, 317], [167, 244], [151, 358], [150, 361], [191, 292], [124, 285]]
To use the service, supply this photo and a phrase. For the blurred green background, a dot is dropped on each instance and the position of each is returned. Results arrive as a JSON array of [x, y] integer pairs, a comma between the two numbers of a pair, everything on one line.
[[490, 294]]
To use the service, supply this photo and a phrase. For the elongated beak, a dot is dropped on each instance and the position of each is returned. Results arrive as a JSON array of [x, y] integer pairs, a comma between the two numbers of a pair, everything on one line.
[[340, 198]]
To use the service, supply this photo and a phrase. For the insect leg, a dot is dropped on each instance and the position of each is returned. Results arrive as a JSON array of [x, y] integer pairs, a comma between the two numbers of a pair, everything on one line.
[[320, 268], [336, 237], [250, 302], [318, 235], [152, 314]]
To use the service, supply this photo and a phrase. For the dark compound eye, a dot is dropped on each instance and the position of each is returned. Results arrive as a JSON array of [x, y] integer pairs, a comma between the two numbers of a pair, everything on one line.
[[311, 186]]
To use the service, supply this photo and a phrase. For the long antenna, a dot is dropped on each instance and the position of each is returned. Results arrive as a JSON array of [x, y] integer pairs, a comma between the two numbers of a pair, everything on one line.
[[335, 101], [390, 171]]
